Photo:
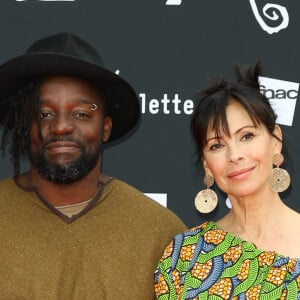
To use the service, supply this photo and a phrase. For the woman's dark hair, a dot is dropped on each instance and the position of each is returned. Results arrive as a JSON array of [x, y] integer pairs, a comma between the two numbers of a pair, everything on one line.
[[213, 101]]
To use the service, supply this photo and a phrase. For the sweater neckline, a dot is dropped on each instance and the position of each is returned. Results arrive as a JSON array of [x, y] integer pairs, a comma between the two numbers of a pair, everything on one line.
[[103, 180]]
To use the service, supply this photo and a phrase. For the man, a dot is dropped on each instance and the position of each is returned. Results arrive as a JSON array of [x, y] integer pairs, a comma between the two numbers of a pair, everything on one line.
[[68, 231]]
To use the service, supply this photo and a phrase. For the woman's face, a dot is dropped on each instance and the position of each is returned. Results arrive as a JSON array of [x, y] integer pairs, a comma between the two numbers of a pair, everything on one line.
[[241, 163]]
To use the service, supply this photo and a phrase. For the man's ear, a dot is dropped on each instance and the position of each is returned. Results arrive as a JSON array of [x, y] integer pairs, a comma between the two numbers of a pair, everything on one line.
[[107, 126]]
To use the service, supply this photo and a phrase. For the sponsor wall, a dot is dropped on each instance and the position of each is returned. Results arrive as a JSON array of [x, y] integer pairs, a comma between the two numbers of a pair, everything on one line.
[[169, 49]]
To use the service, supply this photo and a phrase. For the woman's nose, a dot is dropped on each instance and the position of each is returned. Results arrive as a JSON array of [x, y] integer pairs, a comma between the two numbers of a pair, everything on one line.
[[234, 154]]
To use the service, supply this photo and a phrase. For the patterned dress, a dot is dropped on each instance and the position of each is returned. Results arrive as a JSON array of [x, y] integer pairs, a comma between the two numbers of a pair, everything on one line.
[[208, 263]]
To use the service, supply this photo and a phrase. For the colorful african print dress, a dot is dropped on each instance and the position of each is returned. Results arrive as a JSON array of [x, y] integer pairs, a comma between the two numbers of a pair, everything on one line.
[[208, 263]]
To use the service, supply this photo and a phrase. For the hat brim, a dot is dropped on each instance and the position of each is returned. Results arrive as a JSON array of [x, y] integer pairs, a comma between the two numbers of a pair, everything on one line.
[[121, 98]]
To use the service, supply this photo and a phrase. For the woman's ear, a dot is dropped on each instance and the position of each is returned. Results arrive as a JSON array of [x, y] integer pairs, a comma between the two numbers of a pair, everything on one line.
[[204, 164], [277, 139], [206, 169]]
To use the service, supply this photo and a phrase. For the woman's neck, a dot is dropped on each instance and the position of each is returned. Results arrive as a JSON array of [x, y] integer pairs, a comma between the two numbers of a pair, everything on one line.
[[270, 225]]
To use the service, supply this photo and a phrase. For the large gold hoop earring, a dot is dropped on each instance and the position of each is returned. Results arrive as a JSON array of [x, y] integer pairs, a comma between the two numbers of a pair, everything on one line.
[[206, 200]]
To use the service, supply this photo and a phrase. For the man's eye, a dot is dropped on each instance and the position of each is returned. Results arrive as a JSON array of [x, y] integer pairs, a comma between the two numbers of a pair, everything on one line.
[[81, 114], [46, 115]]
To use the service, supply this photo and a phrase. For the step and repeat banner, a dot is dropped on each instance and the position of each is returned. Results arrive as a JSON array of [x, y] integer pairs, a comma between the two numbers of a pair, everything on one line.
[[168, 50]]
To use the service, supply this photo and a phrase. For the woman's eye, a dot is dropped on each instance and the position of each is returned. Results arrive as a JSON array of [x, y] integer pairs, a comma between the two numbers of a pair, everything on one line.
[[247, 136], [215, 147]]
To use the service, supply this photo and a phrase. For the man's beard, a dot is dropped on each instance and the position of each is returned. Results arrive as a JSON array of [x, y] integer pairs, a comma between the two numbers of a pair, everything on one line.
[[68, 172]]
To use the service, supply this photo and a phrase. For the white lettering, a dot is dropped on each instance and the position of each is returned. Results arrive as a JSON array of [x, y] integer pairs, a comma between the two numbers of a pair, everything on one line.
[[166, 105], [143, 102], [188, 107], [176, 101], [153, 106], [165, 101]]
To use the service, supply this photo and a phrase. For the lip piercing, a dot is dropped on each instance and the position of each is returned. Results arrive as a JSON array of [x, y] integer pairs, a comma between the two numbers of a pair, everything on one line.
[[93, 107]]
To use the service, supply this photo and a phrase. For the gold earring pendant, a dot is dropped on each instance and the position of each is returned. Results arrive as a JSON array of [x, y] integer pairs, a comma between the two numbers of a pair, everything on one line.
[[280, 178], [206, 200]]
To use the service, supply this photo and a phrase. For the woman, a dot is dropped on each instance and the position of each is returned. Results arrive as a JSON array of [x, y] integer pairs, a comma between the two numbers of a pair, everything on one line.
[[253, 252]]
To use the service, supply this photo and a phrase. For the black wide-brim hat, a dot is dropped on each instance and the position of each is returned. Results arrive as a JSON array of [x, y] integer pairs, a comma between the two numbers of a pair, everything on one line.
[[68, 54]]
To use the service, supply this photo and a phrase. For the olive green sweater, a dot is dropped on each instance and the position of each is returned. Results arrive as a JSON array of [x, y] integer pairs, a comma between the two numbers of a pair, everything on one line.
[[110, 252]]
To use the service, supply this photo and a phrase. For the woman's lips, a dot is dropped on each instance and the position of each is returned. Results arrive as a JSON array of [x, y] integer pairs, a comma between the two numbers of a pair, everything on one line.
[[240, 174]]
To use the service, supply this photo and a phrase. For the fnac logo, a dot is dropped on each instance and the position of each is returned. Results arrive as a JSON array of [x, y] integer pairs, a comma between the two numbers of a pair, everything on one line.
[[282, 96]]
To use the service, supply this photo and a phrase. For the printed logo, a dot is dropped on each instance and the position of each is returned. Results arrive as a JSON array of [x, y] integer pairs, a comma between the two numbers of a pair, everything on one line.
[[173, 2], [282, 96], [160, 198], [273, 12]]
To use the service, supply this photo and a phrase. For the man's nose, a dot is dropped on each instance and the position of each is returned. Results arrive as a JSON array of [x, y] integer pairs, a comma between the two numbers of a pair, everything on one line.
[[62, 124]]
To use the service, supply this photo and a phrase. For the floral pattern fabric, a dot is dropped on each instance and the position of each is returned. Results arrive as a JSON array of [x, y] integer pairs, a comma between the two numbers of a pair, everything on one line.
[[207, 262]]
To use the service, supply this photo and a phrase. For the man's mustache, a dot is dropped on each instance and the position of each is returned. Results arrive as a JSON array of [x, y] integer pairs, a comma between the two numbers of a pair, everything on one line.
[[61, 139]]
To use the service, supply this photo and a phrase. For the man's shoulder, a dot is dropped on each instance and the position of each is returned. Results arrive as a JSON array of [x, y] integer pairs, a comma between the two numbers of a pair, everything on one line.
[[7, 183], [7, 189], [119, 184], [142, 204], [131, 193]]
